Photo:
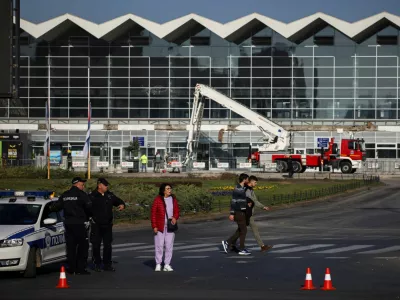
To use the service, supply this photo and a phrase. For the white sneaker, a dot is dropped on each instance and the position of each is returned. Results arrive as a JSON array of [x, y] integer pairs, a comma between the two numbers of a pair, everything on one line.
[[158, 268], [167, 268]]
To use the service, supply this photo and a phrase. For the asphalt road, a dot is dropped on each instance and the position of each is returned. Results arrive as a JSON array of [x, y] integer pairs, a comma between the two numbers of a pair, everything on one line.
[[356, 237]]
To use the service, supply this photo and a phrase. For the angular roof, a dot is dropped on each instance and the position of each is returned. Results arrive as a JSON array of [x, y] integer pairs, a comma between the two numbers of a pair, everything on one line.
[[172, 29]]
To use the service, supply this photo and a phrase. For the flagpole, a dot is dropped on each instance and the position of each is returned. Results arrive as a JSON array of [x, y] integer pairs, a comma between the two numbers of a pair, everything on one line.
[[48, 125], [89, 119]]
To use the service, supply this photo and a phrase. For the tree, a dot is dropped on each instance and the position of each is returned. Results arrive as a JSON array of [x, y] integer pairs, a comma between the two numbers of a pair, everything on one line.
[[133, 148]]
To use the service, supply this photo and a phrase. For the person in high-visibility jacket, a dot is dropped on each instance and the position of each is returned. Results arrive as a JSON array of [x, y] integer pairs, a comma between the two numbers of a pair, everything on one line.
[[143, 161]]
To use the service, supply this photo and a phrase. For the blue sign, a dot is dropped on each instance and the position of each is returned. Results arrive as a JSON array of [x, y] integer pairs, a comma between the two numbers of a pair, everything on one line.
[[140, 140], [322, 142]]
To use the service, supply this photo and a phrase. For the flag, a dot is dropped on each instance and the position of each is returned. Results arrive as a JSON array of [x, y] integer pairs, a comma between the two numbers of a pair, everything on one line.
[[86, 148], [46, 145]]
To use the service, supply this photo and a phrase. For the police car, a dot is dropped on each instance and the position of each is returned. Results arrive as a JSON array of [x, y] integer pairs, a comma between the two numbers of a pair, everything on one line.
[[30, 235]]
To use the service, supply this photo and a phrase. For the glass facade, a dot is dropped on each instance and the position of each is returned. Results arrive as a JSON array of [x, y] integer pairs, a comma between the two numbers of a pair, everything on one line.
[[320, 75]]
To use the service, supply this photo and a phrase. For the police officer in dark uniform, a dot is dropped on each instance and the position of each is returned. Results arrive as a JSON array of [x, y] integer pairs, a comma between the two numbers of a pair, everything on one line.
[[77, 210], [102, 222]]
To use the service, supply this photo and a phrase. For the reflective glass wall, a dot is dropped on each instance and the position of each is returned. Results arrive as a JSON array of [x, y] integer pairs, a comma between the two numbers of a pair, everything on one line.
[[318, 75]]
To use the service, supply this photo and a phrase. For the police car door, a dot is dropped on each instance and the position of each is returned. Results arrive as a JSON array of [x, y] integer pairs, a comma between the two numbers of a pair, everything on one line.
[[53, 248]]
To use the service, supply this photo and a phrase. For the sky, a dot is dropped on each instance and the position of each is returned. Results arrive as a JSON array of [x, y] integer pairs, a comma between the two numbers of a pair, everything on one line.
[[222, 11]]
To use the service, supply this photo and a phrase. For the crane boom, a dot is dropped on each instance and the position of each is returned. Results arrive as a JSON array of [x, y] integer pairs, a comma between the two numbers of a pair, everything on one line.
[[275, 137]]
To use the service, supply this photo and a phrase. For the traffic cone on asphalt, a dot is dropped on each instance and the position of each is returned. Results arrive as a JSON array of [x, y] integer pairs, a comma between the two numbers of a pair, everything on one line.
[[328, 282], [308, 285], [62, 282]]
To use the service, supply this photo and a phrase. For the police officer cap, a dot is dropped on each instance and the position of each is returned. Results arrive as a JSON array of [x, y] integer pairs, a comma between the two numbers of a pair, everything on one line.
[[77, 179], [103, 181]]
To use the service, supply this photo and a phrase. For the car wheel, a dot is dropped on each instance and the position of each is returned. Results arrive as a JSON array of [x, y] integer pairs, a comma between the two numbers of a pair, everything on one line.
[[30, 271]]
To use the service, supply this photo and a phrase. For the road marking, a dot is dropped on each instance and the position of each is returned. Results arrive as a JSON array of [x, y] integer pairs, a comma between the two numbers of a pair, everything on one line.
[[241, 257], [241, 262], [145, 256], [192, 246], [383, 250], [275, 246], [343, 249], [127, 245], [290, 257], [215, 248], [195, 256], [146, 248], [390, 257], [337, 257], [302, 248]]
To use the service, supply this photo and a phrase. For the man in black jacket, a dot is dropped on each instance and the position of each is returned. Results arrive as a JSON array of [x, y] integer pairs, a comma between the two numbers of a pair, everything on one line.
[[102, 222], [77, 210]]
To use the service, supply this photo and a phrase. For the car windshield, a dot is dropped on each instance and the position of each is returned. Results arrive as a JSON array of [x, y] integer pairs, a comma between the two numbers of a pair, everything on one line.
[[19, 214]]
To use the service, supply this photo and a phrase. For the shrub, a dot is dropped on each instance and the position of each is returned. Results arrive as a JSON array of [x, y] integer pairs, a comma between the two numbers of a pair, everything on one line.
[[37, 173]]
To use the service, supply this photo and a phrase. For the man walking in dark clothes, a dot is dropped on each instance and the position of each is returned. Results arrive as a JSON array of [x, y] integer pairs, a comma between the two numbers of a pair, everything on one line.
[[103, 202], [290, 166], [239, 206]]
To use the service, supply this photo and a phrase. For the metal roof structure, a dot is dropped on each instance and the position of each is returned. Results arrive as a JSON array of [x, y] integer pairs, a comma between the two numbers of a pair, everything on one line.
[[171, 30]]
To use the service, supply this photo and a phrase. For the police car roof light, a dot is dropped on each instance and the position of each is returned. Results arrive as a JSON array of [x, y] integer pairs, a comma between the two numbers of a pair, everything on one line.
[[44, 194]]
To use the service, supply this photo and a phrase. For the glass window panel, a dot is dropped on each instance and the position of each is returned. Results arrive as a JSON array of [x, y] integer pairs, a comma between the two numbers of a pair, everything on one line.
[[99, 61], [240, 72], [261, 93], [201, 80], [344, 82], [23, 92], [280, 82], [37, 102], [179, 113], [365, 103], [365, 82], [139, 102], [300, 113], [176, 92], [24, 71], [119, 92], [366, 72], [59, 82], [78, 82], [219, 114], [99, 102], [58, 51], [281, 114], [261, 82], [119, 62], [240, 82], [386, 114], [344, 103], [99, 51], [139, 72], [78, 113], [35, 92], [159, 92], [286, 61], [323, 93], [118, 113], [201, 61], [387, 61], [99, 113], [220, 72], [326, 114], [261, 61], [282, 72], [220, 82], [119, 82], [323, 103], [59, 61], [139, 82], [261, 72], [159, 113], [200, 72], [366, 61], [344, 114], [99, 92], [344, 93], [118, 102], [98, 82], [261, 103], [139, 113], [139, 92], [364, 114], [159, 72], [59, 92], [365, 93], [79, 62], [240, 93], [79, 72], [98, 72], [37, 113], [21, 102], [179, 103], [119, 51], [281, 103], [323, 72], [344, 72], [386, 93], [179, 82], [60, 112], [140, 61], [281, 93], [79, 51], [245, 102], [159, 61], [159, 82], [387, 82], [76, 92], [324, 61], [387, 72], [77, 102], [119, 72], [180, 72], [39, 82]]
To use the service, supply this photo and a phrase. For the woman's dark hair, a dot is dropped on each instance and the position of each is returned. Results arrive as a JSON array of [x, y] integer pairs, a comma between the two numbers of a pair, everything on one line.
[[162, 188]]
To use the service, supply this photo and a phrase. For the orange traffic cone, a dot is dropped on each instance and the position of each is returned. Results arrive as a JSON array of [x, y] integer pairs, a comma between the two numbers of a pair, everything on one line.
[[62, 282], [308, 285], [328, 282]]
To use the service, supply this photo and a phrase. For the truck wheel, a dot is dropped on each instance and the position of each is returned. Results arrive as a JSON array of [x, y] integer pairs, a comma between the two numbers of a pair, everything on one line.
[[345, 167], [353, 170], [297, 167], [303, 169], [30, 271], [281, 166]]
